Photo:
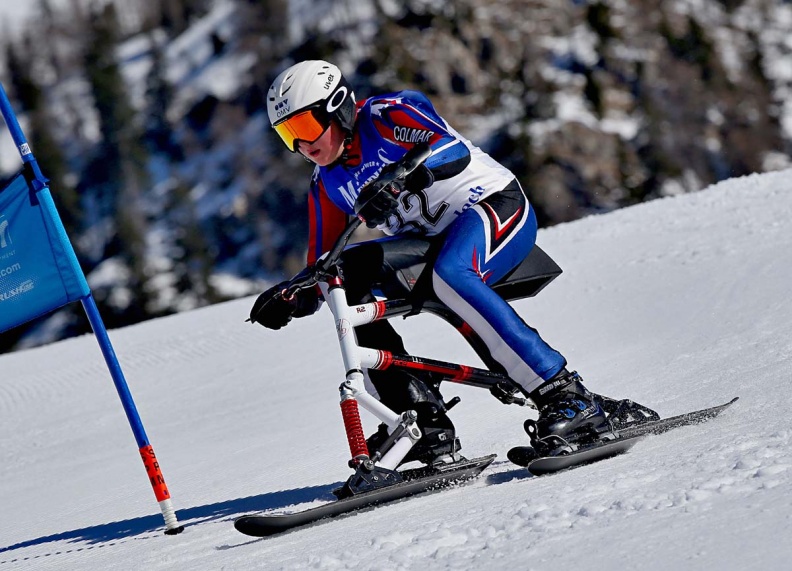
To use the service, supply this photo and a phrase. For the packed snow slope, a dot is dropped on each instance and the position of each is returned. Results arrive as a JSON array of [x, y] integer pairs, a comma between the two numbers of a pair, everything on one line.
[[681, 303]]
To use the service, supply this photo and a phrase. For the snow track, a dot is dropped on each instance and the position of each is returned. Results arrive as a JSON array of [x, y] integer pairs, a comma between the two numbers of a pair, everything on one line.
[[680, 303]]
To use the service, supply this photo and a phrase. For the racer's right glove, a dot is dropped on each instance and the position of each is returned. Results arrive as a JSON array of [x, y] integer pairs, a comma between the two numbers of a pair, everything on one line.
[[273, 310]]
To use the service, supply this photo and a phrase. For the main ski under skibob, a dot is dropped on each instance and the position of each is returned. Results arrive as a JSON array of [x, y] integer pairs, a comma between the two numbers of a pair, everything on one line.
[[262, 525]]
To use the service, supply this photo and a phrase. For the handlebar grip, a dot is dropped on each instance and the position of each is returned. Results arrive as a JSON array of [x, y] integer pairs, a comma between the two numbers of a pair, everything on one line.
[[411, 160]]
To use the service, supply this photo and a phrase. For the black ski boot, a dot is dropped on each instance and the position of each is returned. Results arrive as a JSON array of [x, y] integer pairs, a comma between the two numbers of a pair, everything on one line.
[[438, 443], [568, 414]]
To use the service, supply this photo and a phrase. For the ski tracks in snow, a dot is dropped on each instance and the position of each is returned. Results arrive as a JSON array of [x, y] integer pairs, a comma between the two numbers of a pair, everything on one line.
[[30, 381], [689, 473], [33, 378]]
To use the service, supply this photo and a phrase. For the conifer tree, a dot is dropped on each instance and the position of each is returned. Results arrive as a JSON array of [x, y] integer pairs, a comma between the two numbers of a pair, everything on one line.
[[119, 166], [32, 101], [159, 95]]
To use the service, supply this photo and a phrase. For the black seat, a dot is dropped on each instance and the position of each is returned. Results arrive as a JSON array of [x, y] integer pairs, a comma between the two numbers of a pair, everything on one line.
[[530, 277], [526, 280]]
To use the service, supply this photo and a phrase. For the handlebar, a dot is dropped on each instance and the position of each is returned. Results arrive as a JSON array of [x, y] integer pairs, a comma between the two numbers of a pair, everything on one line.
[[310, 276]]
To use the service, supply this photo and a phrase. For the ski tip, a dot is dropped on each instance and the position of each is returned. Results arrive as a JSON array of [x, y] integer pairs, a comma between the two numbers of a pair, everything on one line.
[[246, 524], [522, 455], [485, 460]]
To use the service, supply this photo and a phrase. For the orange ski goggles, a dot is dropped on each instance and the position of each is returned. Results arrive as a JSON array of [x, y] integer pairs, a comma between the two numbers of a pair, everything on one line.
[[306, 126]]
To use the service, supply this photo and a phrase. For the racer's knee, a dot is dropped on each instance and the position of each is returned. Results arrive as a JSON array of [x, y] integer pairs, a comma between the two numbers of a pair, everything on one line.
[[360, 266]]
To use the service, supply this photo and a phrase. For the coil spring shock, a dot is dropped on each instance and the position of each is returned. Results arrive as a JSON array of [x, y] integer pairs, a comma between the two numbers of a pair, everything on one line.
[[354, 431]]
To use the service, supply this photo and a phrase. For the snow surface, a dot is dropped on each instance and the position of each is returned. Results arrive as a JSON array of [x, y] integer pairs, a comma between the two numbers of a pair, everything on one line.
[[680, 303]]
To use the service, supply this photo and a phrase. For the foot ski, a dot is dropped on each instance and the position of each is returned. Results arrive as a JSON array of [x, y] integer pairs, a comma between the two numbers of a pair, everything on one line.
[[527, 456], [416, 482], [666, 424], [600, 451]]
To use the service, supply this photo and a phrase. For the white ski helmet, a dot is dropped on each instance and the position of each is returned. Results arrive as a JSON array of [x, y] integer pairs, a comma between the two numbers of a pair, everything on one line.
[[304, 99]]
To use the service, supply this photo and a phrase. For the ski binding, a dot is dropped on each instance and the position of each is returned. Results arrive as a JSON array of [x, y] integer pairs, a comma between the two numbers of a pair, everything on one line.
[[620, 441]]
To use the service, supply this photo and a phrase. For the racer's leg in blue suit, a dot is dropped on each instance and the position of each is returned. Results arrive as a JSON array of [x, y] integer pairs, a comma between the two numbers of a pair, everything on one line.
[[481, 247]]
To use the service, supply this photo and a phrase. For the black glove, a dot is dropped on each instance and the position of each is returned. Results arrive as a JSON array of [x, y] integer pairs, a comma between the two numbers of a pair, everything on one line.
[[377, 201], [274, 311]]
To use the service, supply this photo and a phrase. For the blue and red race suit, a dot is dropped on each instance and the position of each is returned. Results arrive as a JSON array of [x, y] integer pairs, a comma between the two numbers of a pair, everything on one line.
[[474, 205]]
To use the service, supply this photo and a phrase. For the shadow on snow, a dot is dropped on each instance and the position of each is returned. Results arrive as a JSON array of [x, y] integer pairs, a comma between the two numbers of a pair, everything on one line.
[[118, 531], [121, 530]]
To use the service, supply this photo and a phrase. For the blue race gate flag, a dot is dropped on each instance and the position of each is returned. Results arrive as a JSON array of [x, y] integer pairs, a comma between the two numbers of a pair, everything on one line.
[[39, 273], [38, 269]]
